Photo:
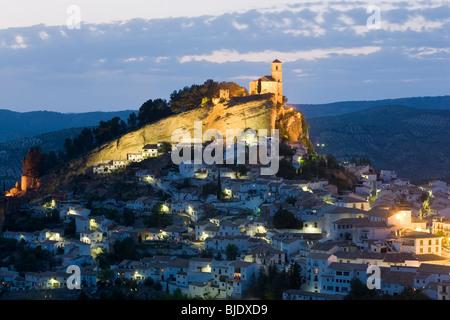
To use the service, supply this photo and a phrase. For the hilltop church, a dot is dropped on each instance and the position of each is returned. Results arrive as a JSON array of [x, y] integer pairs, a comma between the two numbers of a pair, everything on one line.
[[270, 84]]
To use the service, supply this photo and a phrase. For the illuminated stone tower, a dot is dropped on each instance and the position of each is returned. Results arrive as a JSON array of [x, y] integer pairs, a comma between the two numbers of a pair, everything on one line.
[[270, 84], [277, 75], [277, 71]]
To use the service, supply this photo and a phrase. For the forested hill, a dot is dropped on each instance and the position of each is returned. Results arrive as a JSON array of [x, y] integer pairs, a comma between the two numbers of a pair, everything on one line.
[[17, 125], [338, 108], [414, 142]]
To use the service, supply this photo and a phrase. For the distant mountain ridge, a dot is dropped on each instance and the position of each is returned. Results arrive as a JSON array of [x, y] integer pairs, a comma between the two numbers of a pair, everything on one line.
[[414, 142], [338, 108], [18, 125]]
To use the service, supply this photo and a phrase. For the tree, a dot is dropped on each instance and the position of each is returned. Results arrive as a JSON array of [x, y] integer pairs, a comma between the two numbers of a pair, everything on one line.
[[332, 163], [261, 282], [70, 228], [68, 148], [34, 163], [219, 192], [209, 188], [152, 111], [52, 217], [108, 130], [259, 86], [231, 251], [294, 276], [132, 120], [412, 294], [52, 161], [128, 217], [104, 260], [276, 284], [166, 147], [359, 291], [291, 199], [284, 219], [197, 96], [158, 218], [82, 295], [364, 161], [106, 274], [285, 150], [235, 89], [37, 163], [286, 170], [125, 249], [83, 142], [240, 170]]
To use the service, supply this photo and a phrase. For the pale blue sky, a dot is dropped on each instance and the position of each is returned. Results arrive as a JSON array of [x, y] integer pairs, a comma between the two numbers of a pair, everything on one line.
[[20, 13], [126, 52]]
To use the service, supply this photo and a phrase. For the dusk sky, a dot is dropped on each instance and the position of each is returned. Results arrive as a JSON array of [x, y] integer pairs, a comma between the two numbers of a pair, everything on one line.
[[123, 53]]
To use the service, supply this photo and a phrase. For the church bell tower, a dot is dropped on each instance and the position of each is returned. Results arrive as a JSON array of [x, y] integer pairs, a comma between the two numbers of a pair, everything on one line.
[[277, 75], [277, 71]]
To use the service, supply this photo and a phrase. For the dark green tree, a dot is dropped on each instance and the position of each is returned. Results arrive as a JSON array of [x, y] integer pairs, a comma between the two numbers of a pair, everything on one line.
[[152, 111], [294, 276], [70, 228], [364, 161], [166, 147], [286, 170], [83, 142], [231, 251], [195, 96], [240, 170], [412, 294], [158, 218], [209, 188], [125, 249], [359, 291], [284, 219], [132, 120], [219, 192], [68, 148], [109, 130], [106, 274], [128, 217], [51, 162]]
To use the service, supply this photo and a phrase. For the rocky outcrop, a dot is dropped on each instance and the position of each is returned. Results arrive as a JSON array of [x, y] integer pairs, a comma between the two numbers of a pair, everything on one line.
[[253, 114], [256, 112]]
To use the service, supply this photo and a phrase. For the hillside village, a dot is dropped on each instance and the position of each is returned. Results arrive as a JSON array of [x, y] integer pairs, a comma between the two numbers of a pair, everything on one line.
[[214, 231], [384, 221]]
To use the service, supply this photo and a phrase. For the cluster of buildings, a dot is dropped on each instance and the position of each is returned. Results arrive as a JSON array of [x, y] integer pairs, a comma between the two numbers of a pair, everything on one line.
[[385, 222], [148, 151]]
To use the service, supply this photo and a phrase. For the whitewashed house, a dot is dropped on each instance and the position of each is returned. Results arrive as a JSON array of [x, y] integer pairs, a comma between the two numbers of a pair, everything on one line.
[[150, 151]]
